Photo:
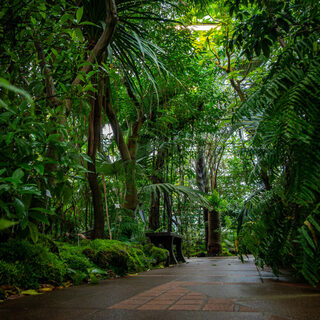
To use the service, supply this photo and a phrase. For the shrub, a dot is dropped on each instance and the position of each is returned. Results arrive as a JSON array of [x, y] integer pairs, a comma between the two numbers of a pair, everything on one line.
[[10, 273]]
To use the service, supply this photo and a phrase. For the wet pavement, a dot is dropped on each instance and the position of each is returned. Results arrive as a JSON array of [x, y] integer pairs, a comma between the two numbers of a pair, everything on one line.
[[202, 288]]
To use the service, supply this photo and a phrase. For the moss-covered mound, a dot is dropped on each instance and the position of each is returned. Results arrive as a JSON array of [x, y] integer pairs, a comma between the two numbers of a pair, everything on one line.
[[118, 256], [156, 255], [27, 265]]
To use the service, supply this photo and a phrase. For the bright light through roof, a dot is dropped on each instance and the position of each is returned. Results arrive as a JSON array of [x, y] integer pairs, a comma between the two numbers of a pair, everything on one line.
[[107, 130], [203, 27], [200, 27]]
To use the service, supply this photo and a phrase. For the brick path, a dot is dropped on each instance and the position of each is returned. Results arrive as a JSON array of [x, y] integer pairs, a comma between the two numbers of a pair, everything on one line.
[[203, 288]]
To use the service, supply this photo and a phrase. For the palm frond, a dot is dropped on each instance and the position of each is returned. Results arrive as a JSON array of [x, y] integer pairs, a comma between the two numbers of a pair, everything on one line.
[[193, 195]]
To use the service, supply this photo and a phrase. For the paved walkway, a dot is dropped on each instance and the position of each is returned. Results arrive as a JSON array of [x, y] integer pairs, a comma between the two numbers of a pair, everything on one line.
[[203, 288]]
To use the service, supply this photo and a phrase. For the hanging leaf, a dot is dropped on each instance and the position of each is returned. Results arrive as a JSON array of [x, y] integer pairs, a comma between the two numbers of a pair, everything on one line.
[[79, 14], [79, 34], [5, 224], [5, 84], [34, 233], [51, 212]]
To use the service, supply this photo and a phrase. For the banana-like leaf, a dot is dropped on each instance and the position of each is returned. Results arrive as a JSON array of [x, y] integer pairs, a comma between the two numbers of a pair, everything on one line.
[[110, 169], [193, 195]]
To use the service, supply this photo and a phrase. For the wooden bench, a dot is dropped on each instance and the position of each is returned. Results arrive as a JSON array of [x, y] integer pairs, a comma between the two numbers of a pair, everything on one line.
[[168, 240]]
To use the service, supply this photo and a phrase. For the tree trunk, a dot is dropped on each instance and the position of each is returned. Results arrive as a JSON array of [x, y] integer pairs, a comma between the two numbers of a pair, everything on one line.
[[203, 185], [93, 143], [131, 195], [206, 227], [214, 234], [127, 152], [154, 217], [168, 205]]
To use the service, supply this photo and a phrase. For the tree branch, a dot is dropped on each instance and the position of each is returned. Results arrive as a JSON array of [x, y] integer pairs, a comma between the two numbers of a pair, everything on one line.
[[104, 40], [50, 88], [117, 131]]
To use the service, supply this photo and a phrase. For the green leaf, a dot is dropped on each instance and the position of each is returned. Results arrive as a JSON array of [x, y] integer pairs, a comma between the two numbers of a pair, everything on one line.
[[308, 238], [39, 168], [17, 174], [88, 23], [79, 35], [20, 208], [30, 292], [5, 224], [53, 137], [5, 84], [30, 189], [51, 212], [79, 14], [67, 192], [66, 17], [110, 169], [39, 217], [86, 157], [34, 233], [97, 271]]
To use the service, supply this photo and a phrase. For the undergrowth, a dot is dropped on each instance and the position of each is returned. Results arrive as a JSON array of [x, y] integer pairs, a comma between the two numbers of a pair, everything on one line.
[[27, 265]]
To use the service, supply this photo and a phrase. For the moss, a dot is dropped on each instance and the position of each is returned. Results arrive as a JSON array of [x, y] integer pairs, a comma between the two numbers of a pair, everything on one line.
[[10, 273], [89, 253], [200, 253], [74, 259], [76, 276], [118, 256], [157, 255], [33, 264], [137, 259], [78, 264], [108, 254], [25, 265]]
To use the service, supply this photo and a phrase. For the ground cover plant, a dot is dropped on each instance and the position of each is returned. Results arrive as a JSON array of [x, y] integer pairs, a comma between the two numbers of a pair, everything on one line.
[[44, 267]]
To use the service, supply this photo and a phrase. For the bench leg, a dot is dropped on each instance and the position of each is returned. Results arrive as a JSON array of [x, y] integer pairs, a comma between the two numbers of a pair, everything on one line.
[[180, 256], [168, 244]]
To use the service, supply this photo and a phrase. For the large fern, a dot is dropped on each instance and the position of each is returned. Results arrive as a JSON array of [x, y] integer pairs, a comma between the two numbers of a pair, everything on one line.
[[284, 118]]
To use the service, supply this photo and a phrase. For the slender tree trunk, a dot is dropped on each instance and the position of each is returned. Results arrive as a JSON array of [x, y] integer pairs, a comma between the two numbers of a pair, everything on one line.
[[93, 143], [106, 204], [168, 205], [214, 236], [203, 185], [154, 216], [206, 226]]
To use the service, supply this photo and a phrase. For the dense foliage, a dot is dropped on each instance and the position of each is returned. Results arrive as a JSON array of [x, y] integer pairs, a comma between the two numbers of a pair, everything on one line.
[[121, 117]]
